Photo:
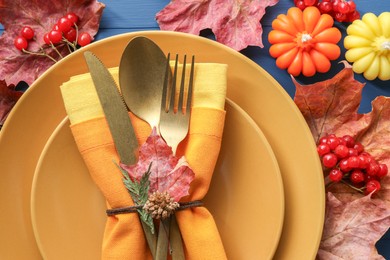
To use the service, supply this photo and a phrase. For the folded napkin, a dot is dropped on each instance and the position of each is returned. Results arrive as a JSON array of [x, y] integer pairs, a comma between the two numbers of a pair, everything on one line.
[[123, 237]]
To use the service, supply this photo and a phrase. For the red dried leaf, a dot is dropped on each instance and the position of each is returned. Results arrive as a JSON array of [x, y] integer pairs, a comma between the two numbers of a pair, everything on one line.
[[41, 16], [168, 173], [8, 98], [352, 229], [376, 141], [234, 23], [330, 107], [376, 136]]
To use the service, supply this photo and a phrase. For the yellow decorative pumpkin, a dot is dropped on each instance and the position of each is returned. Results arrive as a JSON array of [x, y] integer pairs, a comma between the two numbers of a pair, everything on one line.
[[368, 46]]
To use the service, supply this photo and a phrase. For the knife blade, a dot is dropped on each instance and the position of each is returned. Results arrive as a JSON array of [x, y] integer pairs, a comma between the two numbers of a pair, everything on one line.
[[114, 109]]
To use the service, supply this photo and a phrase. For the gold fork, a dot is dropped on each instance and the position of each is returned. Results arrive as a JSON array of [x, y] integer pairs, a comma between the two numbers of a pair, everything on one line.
[[174, 123]]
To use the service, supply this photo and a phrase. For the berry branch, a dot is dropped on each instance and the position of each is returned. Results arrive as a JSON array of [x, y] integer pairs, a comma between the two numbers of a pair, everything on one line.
[[65, 31], [41, 53], [346, 161], [340, 10]]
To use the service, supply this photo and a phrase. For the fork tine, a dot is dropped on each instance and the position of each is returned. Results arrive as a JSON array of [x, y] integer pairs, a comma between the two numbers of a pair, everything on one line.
[[183, 76], [164, 100], [190, 85], [173, 87], [174, 124]]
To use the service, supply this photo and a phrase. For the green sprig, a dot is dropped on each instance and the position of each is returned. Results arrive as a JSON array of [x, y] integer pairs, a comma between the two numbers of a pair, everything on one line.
[[139, 193]]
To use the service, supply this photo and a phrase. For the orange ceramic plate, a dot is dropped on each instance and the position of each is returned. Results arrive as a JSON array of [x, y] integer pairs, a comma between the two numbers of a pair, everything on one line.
[[68, 211], [40, 110]]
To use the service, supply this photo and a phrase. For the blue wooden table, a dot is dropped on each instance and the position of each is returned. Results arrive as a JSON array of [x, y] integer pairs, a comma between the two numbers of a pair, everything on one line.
[[121, 16]]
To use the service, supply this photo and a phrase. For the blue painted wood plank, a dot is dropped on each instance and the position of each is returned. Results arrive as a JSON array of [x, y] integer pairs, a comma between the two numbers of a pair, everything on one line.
[[131, 14], [135, 14], [104, 32]]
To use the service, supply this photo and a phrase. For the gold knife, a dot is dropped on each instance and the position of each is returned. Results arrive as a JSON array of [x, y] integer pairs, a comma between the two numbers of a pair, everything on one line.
[[114, 109], [116, 113]]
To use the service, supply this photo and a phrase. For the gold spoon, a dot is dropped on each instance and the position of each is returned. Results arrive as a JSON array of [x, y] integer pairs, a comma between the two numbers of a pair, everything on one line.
[[141, 76]]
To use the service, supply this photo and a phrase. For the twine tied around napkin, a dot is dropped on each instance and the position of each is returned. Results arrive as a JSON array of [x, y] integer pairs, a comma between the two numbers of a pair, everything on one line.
[[133, 209], [123, 237]]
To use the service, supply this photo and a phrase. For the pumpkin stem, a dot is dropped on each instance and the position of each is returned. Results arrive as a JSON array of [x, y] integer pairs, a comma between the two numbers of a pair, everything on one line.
[[385, 45], [304, 41], [305, 37]]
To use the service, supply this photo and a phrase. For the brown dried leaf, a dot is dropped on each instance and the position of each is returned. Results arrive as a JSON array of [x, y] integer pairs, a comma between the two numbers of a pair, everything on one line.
[[352, 229], [327, 106]]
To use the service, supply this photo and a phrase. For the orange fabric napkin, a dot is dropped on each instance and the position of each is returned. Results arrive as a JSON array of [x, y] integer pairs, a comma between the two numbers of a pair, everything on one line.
[[124, 238]]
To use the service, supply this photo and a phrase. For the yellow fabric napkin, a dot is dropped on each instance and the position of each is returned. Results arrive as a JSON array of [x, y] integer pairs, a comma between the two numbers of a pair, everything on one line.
[[123, 237]]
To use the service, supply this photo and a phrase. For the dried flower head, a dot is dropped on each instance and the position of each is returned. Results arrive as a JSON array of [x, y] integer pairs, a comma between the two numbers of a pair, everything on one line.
[[160, 205]]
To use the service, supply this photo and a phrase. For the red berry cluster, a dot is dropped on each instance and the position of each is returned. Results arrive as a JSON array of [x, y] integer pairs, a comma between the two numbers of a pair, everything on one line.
[[347, 161], [340, 10], [65, 30]]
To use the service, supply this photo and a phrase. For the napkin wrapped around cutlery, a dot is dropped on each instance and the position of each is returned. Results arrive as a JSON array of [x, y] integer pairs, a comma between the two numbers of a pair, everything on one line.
[[123, 236]]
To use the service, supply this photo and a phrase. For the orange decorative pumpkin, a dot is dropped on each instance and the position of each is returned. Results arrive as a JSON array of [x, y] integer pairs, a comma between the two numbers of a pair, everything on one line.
[[304, 41]]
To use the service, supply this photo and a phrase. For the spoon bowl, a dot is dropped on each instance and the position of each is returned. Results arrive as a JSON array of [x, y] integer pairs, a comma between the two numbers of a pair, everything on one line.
[[141, 77]]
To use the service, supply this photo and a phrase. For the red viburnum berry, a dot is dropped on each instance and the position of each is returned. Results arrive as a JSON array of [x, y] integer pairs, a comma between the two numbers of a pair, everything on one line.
[[64, 24], [27, 32], [335, 175], [55, 36], [84, 39], [329, 160], [372, 186], [72, 17], [20, 43]]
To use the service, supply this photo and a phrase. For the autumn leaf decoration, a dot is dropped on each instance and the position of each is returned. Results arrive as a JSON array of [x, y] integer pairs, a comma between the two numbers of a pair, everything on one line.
[[8, 98], [353, 227], [354, 222], [41, 16], [234, 23], [158, 175]]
